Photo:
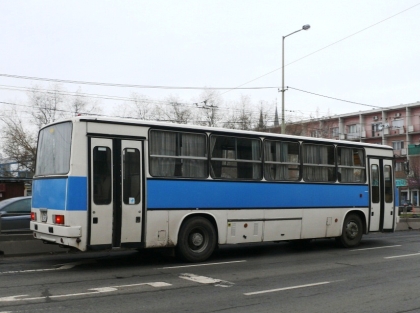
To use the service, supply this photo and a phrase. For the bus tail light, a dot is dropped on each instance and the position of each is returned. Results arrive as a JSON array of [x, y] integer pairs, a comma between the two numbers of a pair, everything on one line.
[[59, 219], [33, 216]]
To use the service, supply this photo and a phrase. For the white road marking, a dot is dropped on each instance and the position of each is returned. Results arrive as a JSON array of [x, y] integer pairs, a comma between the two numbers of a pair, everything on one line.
[[57, 267], [91, 291], [286, 288], [206, 280], [401, 256], [375, 248], [197, 265]]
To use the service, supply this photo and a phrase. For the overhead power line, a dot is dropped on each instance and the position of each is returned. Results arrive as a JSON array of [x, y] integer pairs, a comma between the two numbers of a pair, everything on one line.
[[316, 94], [80, 82]]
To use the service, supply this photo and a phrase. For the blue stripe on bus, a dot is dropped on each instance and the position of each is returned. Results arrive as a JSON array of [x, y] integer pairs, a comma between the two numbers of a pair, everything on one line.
[[60, 193], [184, 194]]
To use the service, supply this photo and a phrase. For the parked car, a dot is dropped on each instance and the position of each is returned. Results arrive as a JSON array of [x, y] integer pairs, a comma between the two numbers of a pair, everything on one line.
[[407, 207], [15, 215]]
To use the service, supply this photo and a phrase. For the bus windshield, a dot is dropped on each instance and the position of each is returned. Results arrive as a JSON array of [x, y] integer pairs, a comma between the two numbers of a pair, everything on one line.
[[53, 155]]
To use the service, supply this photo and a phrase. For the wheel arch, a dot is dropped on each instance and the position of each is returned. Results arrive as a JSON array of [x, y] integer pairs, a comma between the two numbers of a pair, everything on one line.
[[210, 217], [362, 216]]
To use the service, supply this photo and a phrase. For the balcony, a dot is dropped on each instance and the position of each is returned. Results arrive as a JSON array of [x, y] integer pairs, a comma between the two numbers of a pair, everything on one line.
[[413, 149], [353, 136]]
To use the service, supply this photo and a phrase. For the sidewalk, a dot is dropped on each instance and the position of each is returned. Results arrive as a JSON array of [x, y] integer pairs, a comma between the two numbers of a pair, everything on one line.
[[25, 244]]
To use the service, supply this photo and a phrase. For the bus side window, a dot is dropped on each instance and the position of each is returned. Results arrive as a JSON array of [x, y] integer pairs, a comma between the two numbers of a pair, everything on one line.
[[102, 175], [235, 158], [375, 183], [318, 163], [281, 160], [131, 174]]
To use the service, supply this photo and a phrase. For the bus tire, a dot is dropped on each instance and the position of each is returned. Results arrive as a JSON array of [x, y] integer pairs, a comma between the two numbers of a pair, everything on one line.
[[352, 231], [196, 240]]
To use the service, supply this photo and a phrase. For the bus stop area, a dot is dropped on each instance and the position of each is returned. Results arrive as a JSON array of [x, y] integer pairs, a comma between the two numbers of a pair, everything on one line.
[[25, 244]]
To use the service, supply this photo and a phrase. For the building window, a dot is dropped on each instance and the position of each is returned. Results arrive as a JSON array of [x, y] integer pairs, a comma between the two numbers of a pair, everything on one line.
[[397, 123], [353, 129], [334, 132], [399, 167], [398, 145], [376, 128], [316, 133]]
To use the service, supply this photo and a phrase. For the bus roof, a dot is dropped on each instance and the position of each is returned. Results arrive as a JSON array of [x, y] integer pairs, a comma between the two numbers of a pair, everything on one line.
[[190, 127]]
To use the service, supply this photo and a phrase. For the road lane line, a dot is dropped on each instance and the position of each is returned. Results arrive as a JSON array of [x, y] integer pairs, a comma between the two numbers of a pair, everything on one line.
[[59, 267], [197, 265], [206, 280], [90, 291], [286, 288], [401, 256], [375, 248]]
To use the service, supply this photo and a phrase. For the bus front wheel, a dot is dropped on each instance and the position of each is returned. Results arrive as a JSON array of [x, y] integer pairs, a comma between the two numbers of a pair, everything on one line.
[[352, 231], [196, 240]]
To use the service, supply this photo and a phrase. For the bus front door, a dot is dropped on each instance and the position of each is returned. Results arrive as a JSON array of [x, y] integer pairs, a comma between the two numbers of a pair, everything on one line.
[[382, 212], [116, 193]]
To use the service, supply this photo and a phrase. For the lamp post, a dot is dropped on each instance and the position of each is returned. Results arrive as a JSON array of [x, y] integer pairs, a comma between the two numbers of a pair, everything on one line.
[[283, 126]]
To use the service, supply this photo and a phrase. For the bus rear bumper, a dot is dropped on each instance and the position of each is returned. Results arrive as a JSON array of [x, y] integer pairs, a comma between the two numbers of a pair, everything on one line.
[[61, 235]]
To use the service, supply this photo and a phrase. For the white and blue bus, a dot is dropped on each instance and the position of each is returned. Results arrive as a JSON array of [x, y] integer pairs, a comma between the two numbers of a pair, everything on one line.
[[104, 183]]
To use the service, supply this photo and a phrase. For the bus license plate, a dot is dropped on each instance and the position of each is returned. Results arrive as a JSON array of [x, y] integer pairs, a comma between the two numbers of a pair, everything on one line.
[[44, 216]]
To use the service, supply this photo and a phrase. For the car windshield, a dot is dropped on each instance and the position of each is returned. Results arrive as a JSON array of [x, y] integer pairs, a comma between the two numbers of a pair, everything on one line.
[[53, 156]]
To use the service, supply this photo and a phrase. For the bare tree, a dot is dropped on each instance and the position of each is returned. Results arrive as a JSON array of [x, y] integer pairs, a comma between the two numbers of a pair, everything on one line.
[[209, 108], [80, 104], [241, 116], [140, 107], [19, 144], [176, 111], [47, 106]]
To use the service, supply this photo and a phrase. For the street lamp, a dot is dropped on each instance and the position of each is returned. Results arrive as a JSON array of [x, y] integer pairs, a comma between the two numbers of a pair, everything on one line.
[[283, 126]]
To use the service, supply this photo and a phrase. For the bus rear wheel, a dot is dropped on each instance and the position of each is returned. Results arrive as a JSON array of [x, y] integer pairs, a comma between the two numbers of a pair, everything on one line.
[[196, 240], [352, 231]]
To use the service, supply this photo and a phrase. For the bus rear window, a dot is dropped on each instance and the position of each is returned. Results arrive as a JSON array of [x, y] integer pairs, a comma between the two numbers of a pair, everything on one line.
[[53, 155]]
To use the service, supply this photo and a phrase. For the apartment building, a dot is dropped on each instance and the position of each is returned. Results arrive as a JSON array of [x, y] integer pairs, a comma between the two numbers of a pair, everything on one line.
[[397, 126]]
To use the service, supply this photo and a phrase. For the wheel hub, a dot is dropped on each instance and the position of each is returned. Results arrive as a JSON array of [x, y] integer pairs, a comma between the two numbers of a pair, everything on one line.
[[197, 239], [352, 230]]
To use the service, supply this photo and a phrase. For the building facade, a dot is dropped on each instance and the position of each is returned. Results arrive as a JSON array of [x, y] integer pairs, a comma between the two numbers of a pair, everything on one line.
[[397, 126]]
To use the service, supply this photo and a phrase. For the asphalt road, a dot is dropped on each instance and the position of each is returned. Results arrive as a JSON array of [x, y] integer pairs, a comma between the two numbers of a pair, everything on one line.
[[381, 275]]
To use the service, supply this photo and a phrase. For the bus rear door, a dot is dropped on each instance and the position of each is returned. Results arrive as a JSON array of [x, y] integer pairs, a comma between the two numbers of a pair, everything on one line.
[[116, 193], [382, 211]]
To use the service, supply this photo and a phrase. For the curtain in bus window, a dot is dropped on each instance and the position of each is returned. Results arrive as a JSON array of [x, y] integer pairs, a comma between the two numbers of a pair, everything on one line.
[[194, 145], [351, 165], [162, 144], [256, 156], [346, 159], [278, 156], [214, 169], [318, 163]]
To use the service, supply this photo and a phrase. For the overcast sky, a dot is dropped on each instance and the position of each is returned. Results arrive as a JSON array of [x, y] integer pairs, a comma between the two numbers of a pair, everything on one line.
[[218, 44]]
